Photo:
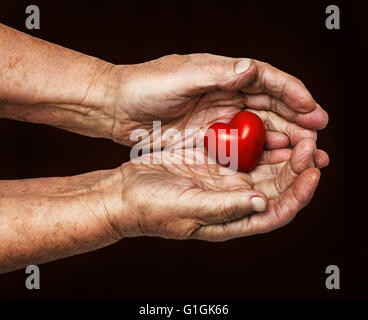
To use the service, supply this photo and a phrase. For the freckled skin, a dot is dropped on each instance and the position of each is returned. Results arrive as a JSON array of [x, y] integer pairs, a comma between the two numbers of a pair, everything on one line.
[[50, 218]]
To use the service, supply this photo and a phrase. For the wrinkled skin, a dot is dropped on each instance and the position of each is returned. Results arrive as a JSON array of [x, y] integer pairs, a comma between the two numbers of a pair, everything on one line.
[[184, 201], [195, 200], [44, 83], [195, 91]]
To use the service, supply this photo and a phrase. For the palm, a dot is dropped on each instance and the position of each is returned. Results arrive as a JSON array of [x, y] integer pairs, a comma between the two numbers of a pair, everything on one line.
[[201, 111], [177, 183], [195, 114], [191, 92]]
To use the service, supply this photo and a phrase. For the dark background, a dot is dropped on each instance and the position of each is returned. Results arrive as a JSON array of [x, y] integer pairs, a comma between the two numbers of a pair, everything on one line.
[[288, 263]]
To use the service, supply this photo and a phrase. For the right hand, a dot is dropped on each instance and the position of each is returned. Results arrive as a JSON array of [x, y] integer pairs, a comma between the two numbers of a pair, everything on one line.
[[182, 201]]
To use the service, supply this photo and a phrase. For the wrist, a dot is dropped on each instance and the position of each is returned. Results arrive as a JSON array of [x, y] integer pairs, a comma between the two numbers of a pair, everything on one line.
[[99, 98], [101, 198], [111, 98], [52, 218], [119, 202], [109, 203]]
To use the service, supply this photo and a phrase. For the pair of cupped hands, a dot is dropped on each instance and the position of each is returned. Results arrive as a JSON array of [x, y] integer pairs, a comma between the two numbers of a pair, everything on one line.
[[197, 201]]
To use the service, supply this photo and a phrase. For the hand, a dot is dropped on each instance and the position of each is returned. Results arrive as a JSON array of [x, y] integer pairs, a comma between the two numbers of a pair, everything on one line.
[[183, 201], [194, 91]]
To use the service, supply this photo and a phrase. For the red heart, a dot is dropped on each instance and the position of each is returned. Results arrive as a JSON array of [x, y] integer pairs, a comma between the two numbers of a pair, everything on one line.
[[249, 140]]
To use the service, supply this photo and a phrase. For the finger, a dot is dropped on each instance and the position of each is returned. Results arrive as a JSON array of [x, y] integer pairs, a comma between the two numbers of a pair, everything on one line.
[[321, 159], [276, 140], [264, 101], [275, 156], [198, 73], [279, 212], [188, 75], [212, 207], [208, 71], [317, 119], [301, 158], [282, 86], [274, 122], [282, 210]]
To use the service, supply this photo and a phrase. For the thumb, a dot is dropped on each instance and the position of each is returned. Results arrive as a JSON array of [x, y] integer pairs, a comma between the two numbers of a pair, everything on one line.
[[212, 71], [214, 207]]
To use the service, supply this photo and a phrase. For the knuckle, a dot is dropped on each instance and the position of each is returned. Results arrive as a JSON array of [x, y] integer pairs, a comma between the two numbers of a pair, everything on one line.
[[194, 231], [210, 66], [173, 57], [248, 226], [267, 65], [297, 80], [272, 103], [230, 212], [203, 56], [186, 229], [198, 57], [170, 62]]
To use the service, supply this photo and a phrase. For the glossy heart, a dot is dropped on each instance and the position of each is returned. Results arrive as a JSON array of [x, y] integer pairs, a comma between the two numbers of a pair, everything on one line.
[[249, 141]]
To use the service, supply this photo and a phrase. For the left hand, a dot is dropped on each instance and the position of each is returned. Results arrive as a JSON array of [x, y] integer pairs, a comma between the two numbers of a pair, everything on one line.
[[194, 91]]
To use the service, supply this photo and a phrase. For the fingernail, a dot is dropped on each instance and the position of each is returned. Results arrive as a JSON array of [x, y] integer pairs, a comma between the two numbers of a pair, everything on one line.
[[259, 204], [242, 66]]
